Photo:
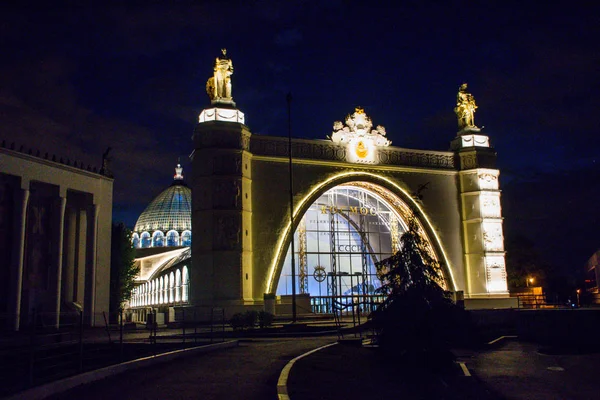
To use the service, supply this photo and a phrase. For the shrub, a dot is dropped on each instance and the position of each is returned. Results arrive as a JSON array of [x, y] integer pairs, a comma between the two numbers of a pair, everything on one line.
[[265, 319], [250, 319], [237, 321]]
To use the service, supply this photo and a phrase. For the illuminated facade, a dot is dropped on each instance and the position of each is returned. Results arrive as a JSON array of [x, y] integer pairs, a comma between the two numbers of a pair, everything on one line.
[[241, 203], [353, 195]]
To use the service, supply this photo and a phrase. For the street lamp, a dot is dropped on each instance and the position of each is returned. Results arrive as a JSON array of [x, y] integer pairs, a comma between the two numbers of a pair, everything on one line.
[[529, 281], [578, 292]]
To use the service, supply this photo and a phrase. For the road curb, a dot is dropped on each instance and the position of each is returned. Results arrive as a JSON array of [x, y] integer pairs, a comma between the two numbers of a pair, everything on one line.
[[52, 388], [282, 392]]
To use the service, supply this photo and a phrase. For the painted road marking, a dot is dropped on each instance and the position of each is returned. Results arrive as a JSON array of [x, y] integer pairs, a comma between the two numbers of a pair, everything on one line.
[[502, 338], [464, 368], [282, 392]]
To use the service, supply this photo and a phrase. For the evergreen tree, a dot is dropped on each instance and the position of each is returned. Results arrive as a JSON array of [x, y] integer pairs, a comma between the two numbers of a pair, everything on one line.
[[122, 268], [418, 319]]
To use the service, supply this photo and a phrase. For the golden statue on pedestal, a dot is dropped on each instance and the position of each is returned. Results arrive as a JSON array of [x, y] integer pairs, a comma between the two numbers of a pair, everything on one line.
[[218, 86], [465, 108]]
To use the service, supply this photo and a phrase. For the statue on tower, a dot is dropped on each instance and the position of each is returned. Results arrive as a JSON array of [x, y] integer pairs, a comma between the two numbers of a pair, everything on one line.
[[218, 86], [465, 108]]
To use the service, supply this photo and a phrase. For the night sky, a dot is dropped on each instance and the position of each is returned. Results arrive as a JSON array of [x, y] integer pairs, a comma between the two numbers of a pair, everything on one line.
[[75, 80]]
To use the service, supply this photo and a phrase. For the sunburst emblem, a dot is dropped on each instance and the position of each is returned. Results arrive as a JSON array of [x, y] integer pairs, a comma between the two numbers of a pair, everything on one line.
[[361, 149]]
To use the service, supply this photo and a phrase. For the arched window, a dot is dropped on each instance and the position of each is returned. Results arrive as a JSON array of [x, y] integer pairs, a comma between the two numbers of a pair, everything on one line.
[[171, 287], [158, 239], [135, 240], [186, 238], [177, 285], [172, 238], [185, 284], [146, 240]]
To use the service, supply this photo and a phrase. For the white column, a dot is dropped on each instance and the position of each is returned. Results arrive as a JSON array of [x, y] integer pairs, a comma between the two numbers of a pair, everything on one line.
[[79, 276], [71, 234], [91, 296], [61, 229], [18, 280]]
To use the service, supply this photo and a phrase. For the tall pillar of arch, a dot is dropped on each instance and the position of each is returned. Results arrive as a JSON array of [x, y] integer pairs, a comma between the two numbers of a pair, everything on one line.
[[481, 214], [221, 198], [221, 211]]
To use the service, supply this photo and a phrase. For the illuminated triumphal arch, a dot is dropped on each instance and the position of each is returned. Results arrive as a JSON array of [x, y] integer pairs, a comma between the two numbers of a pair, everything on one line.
[[353, 195]]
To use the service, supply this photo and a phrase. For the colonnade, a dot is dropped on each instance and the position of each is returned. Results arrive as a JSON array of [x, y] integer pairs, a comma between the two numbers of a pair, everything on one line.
[[169, 289], [53, 258]]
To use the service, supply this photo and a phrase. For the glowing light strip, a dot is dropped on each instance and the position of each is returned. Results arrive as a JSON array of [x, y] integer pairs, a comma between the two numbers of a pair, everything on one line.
[[319, 188]]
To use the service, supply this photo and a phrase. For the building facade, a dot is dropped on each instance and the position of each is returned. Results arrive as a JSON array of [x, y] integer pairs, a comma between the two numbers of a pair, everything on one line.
[[352, 197], [55, 220]]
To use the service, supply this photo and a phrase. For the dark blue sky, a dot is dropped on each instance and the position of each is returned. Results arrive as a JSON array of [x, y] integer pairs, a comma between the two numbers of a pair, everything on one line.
[[75, 80]]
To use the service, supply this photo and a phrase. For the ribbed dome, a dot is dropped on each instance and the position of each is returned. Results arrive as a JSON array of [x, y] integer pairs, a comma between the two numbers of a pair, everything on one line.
[[170, 210]]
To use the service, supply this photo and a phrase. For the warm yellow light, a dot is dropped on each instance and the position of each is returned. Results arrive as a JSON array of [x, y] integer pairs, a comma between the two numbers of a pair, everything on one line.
[[320, 188], [578, 291], [531, 280]]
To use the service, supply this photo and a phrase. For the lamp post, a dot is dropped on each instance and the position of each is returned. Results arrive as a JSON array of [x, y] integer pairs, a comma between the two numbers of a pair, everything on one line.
[[289, 110], [578, 292]]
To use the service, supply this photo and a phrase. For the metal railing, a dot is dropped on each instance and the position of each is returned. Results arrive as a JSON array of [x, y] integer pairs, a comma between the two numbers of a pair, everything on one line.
[[346, 304], [538, 301], [41, 353]]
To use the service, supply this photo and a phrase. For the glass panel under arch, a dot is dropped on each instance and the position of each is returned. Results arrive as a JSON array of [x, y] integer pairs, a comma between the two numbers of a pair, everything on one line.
[[186, 238], [146, 240], [158, 239], [135, 240], [172, 238], [342, 235]]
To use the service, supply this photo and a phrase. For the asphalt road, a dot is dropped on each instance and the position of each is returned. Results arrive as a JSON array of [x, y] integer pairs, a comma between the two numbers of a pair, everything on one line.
[[249, 371], [517, 370]]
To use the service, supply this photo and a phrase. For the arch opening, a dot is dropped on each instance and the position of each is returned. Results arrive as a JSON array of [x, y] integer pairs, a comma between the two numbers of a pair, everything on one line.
[[342, 233]]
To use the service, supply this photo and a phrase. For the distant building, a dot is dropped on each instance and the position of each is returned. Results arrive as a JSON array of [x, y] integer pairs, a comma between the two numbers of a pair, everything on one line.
[[592, 276], [162, 237], [167, 221], [55, 223]]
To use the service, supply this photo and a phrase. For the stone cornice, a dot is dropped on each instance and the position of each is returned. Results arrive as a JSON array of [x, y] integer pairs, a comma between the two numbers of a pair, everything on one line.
[[55, 164], [326, 150]]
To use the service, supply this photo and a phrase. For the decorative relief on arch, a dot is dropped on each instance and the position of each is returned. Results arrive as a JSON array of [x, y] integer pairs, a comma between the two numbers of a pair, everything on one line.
[[468, 161], [324, 150], [227, 230], [227, 164], [226, 194]]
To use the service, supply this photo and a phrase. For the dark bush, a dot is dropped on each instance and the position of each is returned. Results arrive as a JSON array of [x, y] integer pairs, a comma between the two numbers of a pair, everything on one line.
[[265, 319], [250, 319], [237, 321]]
